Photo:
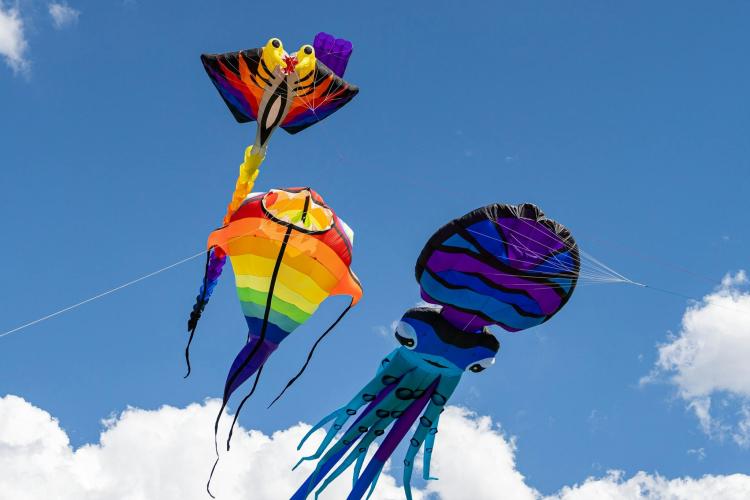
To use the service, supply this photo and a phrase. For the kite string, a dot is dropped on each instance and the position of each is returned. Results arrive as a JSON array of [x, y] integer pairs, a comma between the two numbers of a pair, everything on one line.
[[103, 294], [124, 285]]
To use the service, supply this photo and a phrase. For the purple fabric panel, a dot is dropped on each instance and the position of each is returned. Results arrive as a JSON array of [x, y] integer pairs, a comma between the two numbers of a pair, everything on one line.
[[548, 300], [528, 241], [404, 423], [250, 367], [333, 52], [462, 320]]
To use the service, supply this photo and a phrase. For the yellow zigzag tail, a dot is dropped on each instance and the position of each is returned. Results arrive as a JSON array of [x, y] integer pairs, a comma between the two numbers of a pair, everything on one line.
[[245, 181]]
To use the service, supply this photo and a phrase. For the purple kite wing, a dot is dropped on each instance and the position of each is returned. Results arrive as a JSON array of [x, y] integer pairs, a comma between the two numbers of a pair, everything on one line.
[[333, 52]]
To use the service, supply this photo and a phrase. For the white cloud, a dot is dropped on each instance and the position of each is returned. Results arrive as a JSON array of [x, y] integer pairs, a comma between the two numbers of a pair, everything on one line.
[[709, 358], [648, 486], [63, 15], [473, 459], [13, 43], [165, 454]]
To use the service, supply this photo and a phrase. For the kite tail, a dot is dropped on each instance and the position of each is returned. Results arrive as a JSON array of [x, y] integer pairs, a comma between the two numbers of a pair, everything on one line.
[[248, 362], [215, 260], [312, 351], [231, 430], [245, 180]]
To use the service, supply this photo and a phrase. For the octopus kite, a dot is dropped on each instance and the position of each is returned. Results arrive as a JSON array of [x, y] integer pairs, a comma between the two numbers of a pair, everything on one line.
[[499, 265]]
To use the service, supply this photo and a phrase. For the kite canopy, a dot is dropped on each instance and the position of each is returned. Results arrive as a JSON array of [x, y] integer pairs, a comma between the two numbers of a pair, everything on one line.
[[505, 265], [287, 243], [304, 89]]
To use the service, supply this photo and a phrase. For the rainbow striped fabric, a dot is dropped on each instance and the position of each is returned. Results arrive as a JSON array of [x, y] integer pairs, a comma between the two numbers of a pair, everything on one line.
[[287, 247]]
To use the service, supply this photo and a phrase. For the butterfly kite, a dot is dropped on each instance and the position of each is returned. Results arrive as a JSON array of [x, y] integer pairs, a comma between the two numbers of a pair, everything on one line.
[[276, 89], [499, 265]]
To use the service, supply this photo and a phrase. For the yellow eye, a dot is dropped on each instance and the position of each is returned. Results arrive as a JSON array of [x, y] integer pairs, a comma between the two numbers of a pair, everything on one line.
[[276, 43], [307, 49]]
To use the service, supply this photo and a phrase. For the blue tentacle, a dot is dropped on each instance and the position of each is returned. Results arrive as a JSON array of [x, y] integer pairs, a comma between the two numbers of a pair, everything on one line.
[[429, 445], [426, 422], [390, 401], [391, 369], [378, 429], [398, 431]]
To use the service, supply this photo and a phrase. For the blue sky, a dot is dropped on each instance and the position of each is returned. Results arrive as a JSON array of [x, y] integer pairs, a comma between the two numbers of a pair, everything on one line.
[[627, 123]]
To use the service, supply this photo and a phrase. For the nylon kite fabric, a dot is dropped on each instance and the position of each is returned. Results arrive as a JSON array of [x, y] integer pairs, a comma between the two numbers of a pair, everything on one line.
[[498, 265], [506, 265], [289, 251], [277, 89]]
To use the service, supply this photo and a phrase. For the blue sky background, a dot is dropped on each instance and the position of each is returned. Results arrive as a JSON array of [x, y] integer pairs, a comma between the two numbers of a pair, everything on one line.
[[627, 123]]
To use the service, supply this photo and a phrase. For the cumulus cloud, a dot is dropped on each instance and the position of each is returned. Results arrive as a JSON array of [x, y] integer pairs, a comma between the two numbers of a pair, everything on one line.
[[63, 15], [165, 454], [13, 45], [474, 459], [708, 359], [648, 486]]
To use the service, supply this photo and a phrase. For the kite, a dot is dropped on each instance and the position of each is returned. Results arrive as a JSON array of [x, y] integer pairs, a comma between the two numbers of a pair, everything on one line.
[[275, 89], [289, 251], [501, 265]]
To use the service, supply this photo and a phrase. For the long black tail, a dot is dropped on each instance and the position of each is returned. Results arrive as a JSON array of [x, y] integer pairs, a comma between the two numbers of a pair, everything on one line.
[[310, 354]]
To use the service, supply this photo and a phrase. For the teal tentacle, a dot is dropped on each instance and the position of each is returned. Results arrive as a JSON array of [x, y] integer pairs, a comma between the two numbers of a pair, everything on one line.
[[391, 407], [378, 429], [389, 383], [392, 404], [374, 483], [429, 444], [391, 366], [427, 421], [317, 426], [358, 468]]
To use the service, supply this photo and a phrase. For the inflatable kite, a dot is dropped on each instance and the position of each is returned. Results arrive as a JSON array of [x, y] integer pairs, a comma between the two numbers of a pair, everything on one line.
[[498, 265], [275, 89], [289, 252]]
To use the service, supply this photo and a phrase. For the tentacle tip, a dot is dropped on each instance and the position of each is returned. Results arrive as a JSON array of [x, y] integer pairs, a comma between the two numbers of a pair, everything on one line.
[[298, 463], [430, 478]]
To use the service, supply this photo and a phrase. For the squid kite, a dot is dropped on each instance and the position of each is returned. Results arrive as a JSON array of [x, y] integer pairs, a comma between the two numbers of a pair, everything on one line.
[[275, 89], [499, 265]]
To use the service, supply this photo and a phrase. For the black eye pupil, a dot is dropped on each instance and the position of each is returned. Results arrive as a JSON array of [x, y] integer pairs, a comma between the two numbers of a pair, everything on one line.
[[276, 43], [308, 50]]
